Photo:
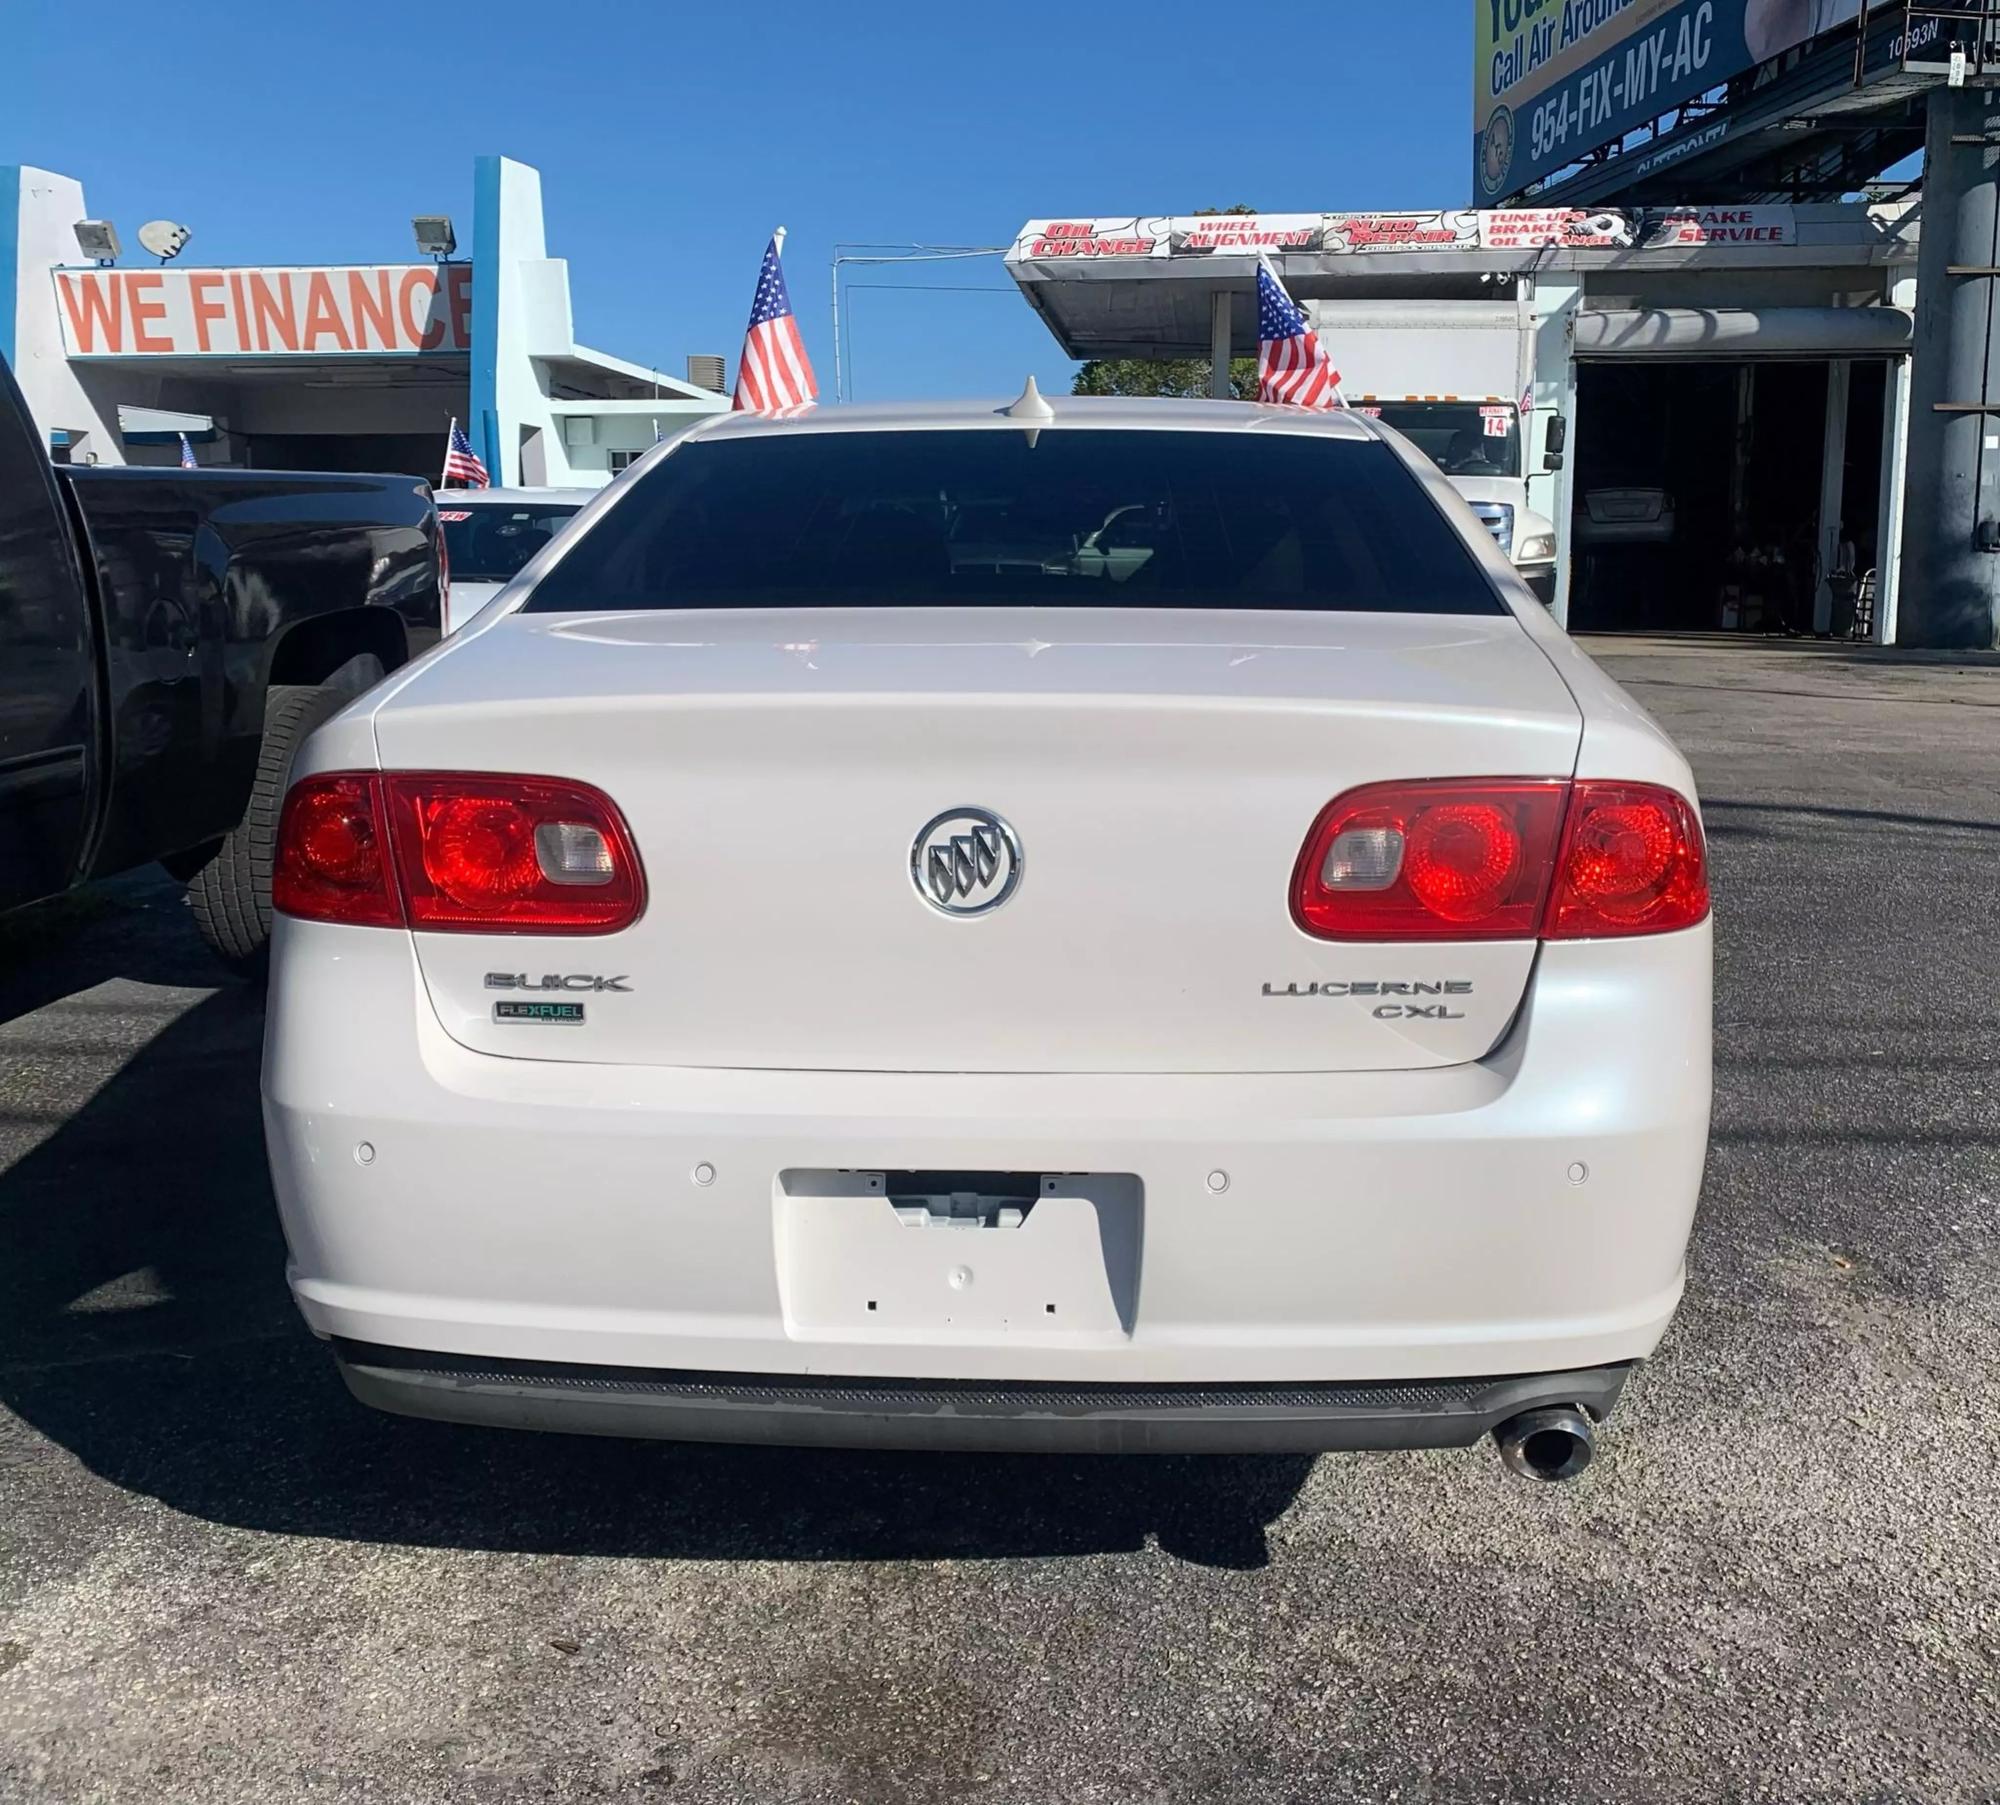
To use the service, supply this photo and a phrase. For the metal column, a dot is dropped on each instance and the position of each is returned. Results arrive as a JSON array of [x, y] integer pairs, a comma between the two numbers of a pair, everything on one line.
[[1832, 482], [1221, 326], [1553, 303], [1950, 590], [1889, 515]]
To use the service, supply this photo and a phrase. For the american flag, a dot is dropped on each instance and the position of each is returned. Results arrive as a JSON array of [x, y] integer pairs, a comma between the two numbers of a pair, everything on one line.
[[1292, 365], [461, 469], [187, 454], [774, 371]]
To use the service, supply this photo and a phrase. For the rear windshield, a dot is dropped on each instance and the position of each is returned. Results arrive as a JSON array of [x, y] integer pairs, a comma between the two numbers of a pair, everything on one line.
[[489, 541], [1081, 518]]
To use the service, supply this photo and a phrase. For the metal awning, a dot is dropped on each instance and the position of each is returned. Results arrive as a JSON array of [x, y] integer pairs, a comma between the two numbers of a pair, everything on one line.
[[1139, 289], [133, 420], [1727, 333]]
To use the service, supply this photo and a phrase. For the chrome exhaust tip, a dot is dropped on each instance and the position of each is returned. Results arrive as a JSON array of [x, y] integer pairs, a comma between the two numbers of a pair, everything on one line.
[[1548, 1444]]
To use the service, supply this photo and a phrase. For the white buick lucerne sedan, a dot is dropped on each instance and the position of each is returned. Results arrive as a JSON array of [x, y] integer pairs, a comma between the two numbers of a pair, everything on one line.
[[1103, 925]]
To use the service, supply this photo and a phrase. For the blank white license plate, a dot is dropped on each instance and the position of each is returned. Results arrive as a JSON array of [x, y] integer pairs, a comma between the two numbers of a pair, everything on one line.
[[862, 1256]]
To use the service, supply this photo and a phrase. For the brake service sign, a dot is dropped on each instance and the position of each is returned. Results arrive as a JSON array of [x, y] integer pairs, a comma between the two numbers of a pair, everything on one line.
[[395, 310], [1555, 79]]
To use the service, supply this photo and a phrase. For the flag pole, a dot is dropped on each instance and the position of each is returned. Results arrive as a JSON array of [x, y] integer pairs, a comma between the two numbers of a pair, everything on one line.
[[444, 475]]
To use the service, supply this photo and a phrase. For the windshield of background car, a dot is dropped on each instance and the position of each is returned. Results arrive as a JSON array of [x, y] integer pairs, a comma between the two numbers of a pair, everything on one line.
[[489, 541], [1462, 438], [1085, 518]]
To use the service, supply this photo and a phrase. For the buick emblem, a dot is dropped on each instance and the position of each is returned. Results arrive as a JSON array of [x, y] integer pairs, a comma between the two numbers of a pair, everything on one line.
[[966, 861]]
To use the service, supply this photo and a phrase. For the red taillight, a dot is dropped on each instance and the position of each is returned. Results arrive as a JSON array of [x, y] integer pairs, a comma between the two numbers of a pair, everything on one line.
[[1466, 859], [1632, 862], [450, 851], [332, 862], [1506, 859], [511, 855]]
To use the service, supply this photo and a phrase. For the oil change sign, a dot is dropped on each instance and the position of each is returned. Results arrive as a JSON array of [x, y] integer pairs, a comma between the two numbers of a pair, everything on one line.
[[1554, 79]]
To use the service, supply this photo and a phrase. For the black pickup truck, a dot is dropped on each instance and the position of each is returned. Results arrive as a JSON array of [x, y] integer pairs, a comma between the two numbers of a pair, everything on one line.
[[167, 638]]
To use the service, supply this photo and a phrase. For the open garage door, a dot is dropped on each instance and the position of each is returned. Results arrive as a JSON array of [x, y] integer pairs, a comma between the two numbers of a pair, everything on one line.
[[1707, 333], [1730, 467]]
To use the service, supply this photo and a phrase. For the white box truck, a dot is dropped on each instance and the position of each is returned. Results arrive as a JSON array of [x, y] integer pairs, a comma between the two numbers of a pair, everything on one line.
[[1451, 376]]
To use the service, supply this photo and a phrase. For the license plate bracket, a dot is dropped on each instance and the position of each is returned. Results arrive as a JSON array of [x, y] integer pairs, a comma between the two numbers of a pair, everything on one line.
[[888, 1255]]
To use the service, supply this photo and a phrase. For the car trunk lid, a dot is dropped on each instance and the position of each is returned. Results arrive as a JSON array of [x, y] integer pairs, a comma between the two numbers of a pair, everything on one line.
[[1158, 772]]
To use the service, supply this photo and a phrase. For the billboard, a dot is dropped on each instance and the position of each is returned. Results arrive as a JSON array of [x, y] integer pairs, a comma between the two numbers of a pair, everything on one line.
[[1522, 230], [1554, 79], [1156, 235], [403, 309], [1236, 233], [1359, 233], [1143, 235], [1553, 229]]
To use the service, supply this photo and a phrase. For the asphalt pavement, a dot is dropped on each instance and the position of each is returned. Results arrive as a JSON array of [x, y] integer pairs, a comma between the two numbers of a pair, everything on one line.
[[222, 1580]]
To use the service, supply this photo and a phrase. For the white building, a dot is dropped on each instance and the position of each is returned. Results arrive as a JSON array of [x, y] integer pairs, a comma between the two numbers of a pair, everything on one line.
[[335, 367], [1732, 383]]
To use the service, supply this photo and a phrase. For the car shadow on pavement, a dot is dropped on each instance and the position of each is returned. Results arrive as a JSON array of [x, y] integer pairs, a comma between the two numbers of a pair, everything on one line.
[[145, 1326], [60, 948]]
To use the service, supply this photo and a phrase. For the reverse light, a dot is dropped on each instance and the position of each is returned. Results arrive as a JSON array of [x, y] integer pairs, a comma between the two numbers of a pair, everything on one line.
[[457, 852], [1500, 859], [1363, 858], [574, 852]]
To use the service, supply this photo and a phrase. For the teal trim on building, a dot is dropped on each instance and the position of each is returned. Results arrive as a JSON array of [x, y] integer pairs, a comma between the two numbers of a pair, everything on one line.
[[483, 428]]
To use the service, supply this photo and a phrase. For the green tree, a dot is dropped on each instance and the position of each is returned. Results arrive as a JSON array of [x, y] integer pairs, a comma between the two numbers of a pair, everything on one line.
[[1167, 376], [1179, 377]]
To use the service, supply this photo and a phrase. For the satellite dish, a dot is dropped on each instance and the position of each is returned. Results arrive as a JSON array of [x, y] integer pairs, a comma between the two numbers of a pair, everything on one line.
[[163, 238]]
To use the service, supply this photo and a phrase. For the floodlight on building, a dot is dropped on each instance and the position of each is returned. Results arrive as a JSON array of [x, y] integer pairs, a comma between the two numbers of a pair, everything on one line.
[[98, 239], [164, 238], [435, 238]]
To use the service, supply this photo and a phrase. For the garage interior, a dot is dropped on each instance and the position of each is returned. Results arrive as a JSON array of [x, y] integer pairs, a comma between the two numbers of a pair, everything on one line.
[[1701, 494], [339, 412]]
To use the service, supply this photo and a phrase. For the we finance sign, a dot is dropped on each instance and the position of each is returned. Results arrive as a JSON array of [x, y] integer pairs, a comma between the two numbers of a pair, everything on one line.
[[397, 310], [1553, 80]]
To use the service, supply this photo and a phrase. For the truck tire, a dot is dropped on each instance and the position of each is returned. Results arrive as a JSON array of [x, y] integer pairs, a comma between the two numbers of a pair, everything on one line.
[[231, 894]]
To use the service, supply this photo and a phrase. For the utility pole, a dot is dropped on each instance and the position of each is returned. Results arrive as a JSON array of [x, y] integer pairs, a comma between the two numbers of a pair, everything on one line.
[[1951, 525]]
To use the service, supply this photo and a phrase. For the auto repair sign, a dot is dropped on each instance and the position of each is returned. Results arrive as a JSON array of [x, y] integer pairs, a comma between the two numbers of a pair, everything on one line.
[[1359, 233], [396, 310]]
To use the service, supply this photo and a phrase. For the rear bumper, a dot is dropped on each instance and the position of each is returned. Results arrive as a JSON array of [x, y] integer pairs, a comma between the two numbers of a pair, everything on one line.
[[1523, 1214], [964, 1415]]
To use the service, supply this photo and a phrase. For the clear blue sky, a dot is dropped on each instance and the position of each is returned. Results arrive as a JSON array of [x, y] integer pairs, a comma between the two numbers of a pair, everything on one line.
[[672, 137]]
